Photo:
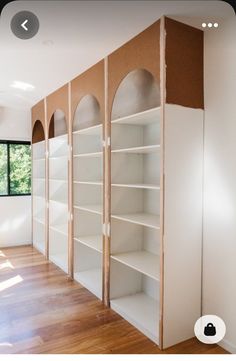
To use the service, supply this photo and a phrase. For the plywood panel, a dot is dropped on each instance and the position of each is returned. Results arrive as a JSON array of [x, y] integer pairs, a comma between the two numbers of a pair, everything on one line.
[[90, 82], [184, 61], [38, 114], [58, 100], [182, 222], [142, 52]]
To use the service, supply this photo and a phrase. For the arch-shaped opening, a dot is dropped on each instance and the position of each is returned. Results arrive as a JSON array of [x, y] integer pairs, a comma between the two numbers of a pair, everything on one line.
[[57, 125], [87, 113], [137, 92], [38, 134]]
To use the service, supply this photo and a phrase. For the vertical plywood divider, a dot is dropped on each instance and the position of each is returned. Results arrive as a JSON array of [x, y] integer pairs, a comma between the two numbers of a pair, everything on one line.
[[46, 180], [106, 193], [162, 183], [70, 188]]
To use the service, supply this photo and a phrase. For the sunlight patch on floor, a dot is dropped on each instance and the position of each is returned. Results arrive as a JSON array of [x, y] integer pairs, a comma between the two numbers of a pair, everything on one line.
[[2, 254], [10, 282], [6, 264]]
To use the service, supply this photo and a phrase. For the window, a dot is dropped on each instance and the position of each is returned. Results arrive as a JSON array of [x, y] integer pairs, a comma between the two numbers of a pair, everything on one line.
[[15, 168]]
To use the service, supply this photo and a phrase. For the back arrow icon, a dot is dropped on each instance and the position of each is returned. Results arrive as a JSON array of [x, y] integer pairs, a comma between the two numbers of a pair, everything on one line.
[[23, 25]]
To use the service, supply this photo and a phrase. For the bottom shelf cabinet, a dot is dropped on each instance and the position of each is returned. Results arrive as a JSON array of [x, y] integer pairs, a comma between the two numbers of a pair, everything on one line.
[[58, 249], [135, 297], [91, 279], [39, 236], [88, 268]]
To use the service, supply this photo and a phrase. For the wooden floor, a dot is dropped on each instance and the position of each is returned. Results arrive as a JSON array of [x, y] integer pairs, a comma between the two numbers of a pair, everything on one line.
[[43, 312]]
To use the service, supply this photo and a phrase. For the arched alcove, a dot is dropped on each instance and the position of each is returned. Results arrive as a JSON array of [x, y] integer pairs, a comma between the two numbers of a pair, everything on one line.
[[38, 134], [87, 113], [137, 92], [57, 125]]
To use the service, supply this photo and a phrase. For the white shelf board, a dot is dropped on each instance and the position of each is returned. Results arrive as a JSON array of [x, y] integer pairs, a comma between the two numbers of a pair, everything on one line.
[[93, 130], [142, 261], [98, 183], [39, 159], [136, 185], [97, 208], [92, 154], [61, 228], [58, 180], [58, 157], [144, 219], [39, 220], [139, 150], [64, 203], [53, 139], [39, 197], [39, 178], [143, 118], [141, 311], [91, 279], [94, 242], [61, 260]]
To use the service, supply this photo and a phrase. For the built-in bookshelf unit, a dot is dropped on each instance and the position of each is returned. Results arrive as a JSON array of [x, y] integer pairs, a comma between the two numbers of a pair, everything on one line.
[[39, 186], [124, 152], [58, 191]]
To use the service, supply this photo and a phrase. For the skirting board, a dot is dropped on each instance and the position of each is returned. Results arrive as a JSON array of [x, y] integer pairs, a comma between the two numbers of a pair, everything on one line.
[[15, 244], [228, 346]]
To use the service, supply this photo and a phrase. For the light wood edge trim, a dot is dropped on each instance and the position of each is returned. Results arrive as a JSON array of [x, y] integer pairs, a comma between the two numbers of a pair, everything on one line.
[[46, 182], [70, 190], [106, 193], [32, 188], [162, 175]]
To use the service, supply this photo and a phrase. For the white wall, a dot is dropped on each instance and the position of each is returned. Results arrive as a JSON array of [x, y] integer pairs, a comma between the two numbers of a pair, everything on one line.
[[15, 212], [219, 249]]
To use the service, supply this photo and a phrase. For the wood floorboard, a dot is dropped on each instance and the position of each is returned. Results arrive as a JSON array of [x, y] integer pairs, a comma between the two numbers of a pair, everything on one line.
[[43, 312]]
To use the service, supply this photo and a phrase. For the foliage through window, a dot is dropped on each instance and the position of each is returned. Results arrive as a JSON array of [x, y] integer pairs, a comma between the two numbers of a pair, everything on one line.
[[15, 168]]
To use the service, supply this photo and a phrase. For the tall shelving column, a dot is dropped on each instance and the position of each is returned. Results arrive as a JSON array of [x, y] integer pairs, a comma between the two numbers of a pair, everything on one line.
[[87, 113], [39, 203], [134, 115], [135, 264], [58, 192], [39, 219], [88, 202]]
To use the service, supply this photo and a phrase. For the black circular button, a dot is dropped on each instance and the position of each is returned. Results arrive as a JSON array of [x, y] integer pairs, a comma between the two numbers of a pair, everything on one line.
[[25, 25]]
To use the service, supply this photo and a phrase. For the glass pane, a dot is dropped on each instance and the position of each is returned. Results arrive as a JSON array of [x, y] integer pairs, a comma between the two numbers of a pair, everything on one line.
[[3, 169], [20, 169]]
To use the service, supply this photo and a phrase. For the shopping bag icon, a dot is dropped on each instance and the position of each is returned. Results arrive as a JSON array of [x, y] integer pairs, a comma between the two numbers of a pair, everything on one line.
[[210, 330]]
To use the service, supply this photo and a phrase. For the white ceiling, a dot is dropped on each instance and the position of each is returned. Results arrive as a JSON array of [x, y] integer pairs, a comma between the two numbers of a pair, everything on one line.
[[74, 35]]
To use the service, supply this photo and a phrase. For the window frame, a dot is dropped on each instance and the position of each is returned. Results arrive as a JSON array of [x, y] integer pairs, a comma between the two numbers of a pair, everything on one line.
[[8, 143]]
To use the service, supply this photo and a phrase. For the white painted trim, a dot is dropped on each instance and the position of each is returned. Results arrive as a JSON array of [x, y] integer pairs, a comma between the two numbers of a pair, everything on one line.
[[228, 346]]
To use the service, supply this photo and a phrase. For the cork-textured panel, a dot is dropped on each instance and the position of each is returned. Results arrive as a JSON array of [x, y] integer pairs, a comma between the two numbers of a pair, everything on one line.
[[184, 64], [37, 114], [38, 133], [91, 82], [58, 100], [141, 52]]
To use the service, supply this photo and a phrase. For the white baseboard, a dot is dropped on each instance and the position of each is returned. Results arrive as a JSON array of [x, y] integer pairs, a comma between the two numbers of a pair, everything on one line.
[[14, 244], [228, 346]]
